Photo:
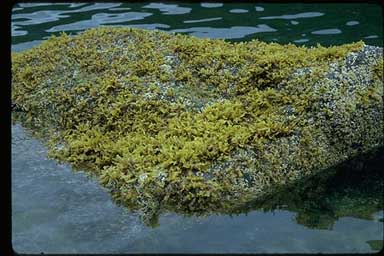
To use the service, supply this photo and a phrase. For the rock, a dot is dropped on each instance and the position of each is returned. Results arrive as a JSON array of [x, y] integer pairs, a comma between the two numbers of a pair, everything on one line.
[[147, 102]]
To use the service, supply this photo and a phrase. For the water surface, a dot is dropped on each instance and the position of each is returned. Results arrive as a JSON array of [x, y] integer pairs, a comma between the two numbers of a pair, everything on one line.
[[283, 23]]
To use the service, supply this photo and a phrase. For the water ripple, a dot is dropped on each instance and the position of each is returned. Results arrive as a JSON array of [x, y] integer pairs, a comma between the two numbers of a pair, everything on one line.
[[148, 26], [238, 11], [372, 36], [169, 9], [352, 23], [331, 31], [76, 5], [259, 8], [100, 19], [38, 17], [226, 33], [301, 40], [16, 32], [294, 16], [211, 5], [202, 20], [28, 5], [46, 16], [120, 9], [95, 6]]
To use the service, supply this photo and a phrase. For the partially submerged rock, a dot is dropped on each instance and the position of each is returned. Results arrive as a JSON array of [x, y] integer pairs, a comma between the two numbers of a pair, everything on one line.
[[198, 125]]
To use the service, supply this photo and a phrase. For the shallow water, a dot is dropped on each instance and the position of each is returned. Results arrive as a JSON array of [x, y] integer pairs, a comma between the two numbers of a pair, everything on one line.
[[57, 210]]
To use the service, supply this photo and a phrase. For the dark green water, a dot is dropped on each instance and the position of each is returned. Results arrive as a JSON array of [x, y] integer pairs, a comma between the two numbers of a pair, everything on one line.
[[55, 210], [308, 24]]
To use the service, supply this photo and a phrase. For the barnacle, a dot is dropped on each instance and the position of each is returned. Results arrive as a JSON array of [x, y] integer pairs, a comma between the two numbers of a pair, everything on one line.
[[195, 125]]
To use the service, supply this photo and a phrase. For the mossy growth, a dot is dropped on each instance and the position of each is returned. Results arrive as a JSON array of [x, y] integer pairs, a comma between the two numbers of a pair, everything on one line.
[[174, 122]]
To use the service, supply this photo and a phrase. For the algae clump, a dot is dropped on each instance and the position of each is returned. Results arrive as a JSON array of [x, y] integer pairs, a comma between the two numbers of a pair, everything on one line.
[[174, 122]]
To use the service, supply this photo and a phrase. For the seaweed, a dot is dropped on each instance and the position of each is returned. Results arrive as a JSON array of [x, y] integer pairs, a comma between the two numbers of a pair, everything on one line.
[[174, 122]]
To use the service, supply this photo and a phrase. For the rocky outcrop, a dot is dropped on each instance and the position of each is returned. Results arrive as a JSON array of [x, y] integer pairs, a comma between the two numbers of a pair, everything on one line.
[[194, 125]]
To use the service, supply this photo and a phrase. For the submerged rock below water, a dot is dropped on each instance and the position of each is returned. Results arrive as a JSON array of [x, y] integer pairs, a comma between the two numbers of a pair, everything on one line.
[[174, 122], [353, 188]]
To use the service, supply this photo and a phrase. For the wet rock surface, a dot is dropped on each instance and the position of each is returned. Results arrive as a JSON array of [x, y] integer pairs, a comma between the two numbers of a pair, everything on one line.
[[193, 125]]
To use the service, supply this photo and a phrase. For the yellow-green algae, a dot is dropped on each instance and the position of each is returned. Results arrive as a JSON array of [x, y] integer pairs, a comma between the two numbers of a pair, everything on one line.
[[174, 122]]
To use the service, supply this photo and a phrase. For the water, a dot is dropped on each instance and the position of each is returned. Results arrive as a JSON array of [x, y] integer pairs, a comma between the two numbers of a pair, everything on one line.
[[308, 24], [56, 210]]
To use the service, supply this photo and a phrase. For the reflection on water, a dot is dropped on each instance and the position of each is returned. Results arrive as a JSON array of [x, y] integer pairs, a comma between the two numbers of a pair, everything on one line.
[[325, 24], [169, 9], [57, 210], [211, 5], [330, 31], [228, 33], [238, 11], [99, 19], [202, 20], [353, 188], [352, 23], [294, 16]]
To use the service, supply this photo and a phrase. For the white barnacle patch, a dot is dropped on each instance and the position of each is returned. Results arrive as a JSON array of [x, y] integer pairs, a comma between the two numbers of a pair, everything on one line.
[[75, 72], [142, 178], [166, 68]]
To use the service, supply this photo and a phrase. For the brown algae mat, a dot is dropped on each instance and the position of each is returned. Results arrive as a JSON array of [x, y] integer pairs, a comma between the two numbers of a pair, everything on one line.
[[174, 122]]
